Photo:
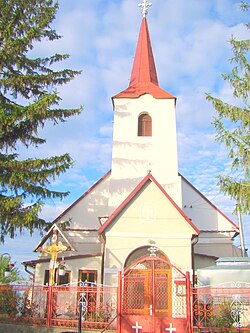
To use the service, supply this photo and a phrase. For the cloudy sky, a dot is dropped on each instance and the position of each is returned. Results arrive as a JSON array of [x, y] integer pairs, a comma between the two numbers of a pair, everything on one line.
[[191, 50]]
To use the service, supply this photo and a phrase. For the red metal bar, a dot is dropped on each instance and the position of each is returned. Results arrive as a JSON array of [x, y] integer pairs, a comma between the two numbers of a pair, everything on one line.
[[153, 294], [119, 302], [188, 300], [49, 305]]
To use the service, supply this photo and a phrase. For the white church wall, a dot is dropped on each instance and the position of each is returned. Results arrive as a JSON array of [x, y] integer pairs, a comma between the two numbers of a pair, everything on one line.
[[133, 156], [85, 242], [84, 213], [202, 213]]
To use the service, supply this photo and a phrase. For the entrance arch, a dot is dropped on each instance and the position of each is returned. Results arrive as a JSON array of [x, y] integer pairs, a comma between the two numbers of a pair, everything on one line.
[[153, 293], [144, 251]]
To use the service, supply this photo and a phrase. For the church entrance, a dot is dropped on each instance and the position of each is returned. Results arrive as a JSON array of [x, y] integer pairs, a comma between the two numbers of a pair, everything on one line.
[[154, 296]]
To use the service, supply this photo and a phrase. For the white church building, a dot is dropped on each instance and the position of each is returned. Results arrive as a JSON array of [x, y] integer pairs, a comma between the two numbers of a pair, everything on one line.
[[142, 204]]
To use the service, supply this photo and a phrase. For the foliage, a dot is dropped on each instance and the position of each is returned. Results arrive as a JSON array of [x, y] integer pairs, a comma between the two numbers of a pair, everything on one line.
[[222, 317], [8, 302], [15, 276], [16, 305], [232, 125], [28, 98]]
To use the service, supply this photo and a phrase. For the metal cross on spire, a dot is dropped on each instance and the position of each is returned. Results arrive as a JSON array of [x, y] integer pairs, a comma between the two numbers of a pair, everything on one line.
[[145, 6]]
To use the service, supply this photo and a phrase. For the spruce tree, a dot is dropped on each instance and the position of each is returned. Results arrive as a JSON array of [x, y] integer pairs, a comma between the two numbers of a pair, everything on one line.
[[232, 124], [28, 98]]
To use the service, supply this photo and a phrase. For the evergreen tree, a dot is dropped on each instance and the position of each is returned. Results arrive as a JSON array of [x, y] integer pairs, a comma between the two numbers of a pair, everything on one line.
[[5, 264], [28, 98], [232, 125]]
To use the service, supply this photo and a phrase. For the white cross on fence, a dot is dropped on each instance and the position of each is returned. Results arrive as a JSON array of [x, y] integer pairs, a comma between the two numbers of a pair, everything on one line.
[[137, 327], [170, 329]]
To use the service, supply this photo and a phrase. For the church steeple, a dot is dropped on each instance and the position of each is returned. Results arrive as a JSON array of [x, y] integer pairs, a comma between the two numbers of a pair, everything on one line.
[[144, 130], [144, 70], [143, 79]]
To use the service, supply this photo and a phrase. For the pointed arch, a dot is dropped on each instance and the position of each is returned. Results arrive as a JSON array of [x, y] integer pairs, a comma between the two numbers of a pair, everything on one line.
[[144, 125]]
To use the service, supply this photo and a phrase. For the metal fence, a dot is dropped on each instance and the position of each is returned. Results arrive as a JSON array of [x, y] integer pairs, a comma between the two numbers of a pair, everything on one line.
[[225, 310], [58, 306], [221, 309]]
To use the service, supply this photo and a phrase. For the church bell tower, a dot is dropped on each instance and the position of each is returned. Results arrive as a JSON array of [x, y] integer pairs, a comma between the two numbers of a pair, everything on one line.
[[144, 136]]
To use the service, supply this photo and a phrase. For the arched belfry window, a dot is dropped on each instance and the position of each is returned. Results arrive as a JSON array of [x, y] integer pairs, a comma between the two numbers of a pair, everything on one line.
[[144, 125]]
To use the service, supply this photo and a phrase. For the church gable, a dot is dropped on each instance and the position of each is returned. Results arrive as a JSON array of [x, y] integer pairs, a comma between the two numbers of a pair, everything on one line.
[[149, 209]]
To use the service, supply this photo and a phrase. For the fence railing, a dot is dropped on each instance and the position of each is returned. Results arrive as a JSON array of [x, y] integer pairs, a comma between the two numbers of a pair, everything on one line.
[[221, 309], [225, 310], [58, 306]]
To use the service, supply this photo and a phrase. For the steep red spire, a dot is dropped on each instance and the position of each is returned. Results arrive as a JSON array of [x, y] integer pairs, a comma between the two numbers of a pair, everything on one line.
[[143, 78], [144, 66]]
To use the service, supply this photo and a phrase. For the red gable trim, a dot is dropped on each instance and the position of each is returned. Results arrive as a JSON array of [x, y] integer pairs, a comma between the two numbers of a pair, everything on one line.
[[131, 196], [82, 196], [210, 203], [216, 231]]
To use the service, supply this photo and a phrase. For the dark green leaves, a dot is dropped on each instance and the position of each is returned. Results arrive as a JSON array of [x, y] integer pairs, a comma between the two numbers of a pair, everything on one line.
[[232, 125], [25, 184]]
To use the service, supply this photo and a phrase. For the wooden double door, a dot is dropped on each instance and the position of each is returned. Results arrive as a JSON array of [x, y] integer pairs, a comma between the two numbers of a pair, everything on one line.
[[147, 292], [147, 298]]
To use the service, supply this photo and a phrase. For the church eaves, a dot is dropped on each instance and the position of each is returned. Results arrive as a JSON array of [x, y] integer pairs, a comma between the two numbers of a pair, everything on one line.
[[144, 78]]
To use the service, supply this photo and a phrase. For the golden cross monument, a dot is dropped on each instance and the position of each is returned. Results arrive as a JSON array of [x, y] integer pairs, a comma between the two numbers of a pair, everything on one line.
[[53, 250]]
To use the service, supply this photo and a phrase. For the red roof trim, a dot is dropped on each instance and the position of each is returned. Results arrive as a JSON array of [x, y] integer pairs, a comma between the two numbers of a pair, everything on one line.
[[215, 231], [131, 196], [79, 229], [210, 203], [82, 196], [143, 88]]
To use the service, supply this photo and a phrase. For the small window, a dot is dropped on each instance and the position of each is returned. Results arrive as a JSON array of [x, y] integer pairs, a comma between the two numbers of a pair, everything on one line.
[[90, 292], [63, 279], [144, 125], [87, 275], [60, 279], [46, 277]]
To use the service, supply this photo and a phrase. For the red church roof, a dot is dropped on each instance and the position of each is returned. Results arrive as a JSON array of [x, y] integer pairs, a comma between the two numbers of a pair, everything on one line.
[[143, 78]]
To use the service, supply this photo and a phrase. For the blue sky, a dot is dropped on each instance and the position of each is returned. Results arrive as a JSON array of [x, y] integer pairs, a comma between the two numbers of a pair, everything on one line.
[[191, 50]]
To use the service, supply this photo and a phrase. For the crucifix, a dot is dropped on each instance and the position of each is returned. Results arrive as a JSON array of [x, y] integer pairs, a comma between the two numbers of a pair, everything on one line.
[[53, 250], [137, 327], [170, 329], [145, 6]]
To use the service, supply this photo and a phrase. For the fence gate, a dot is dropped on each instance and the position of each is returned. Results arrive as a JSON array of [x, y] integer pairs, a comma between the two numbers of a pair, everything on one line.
[[154, 297]]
